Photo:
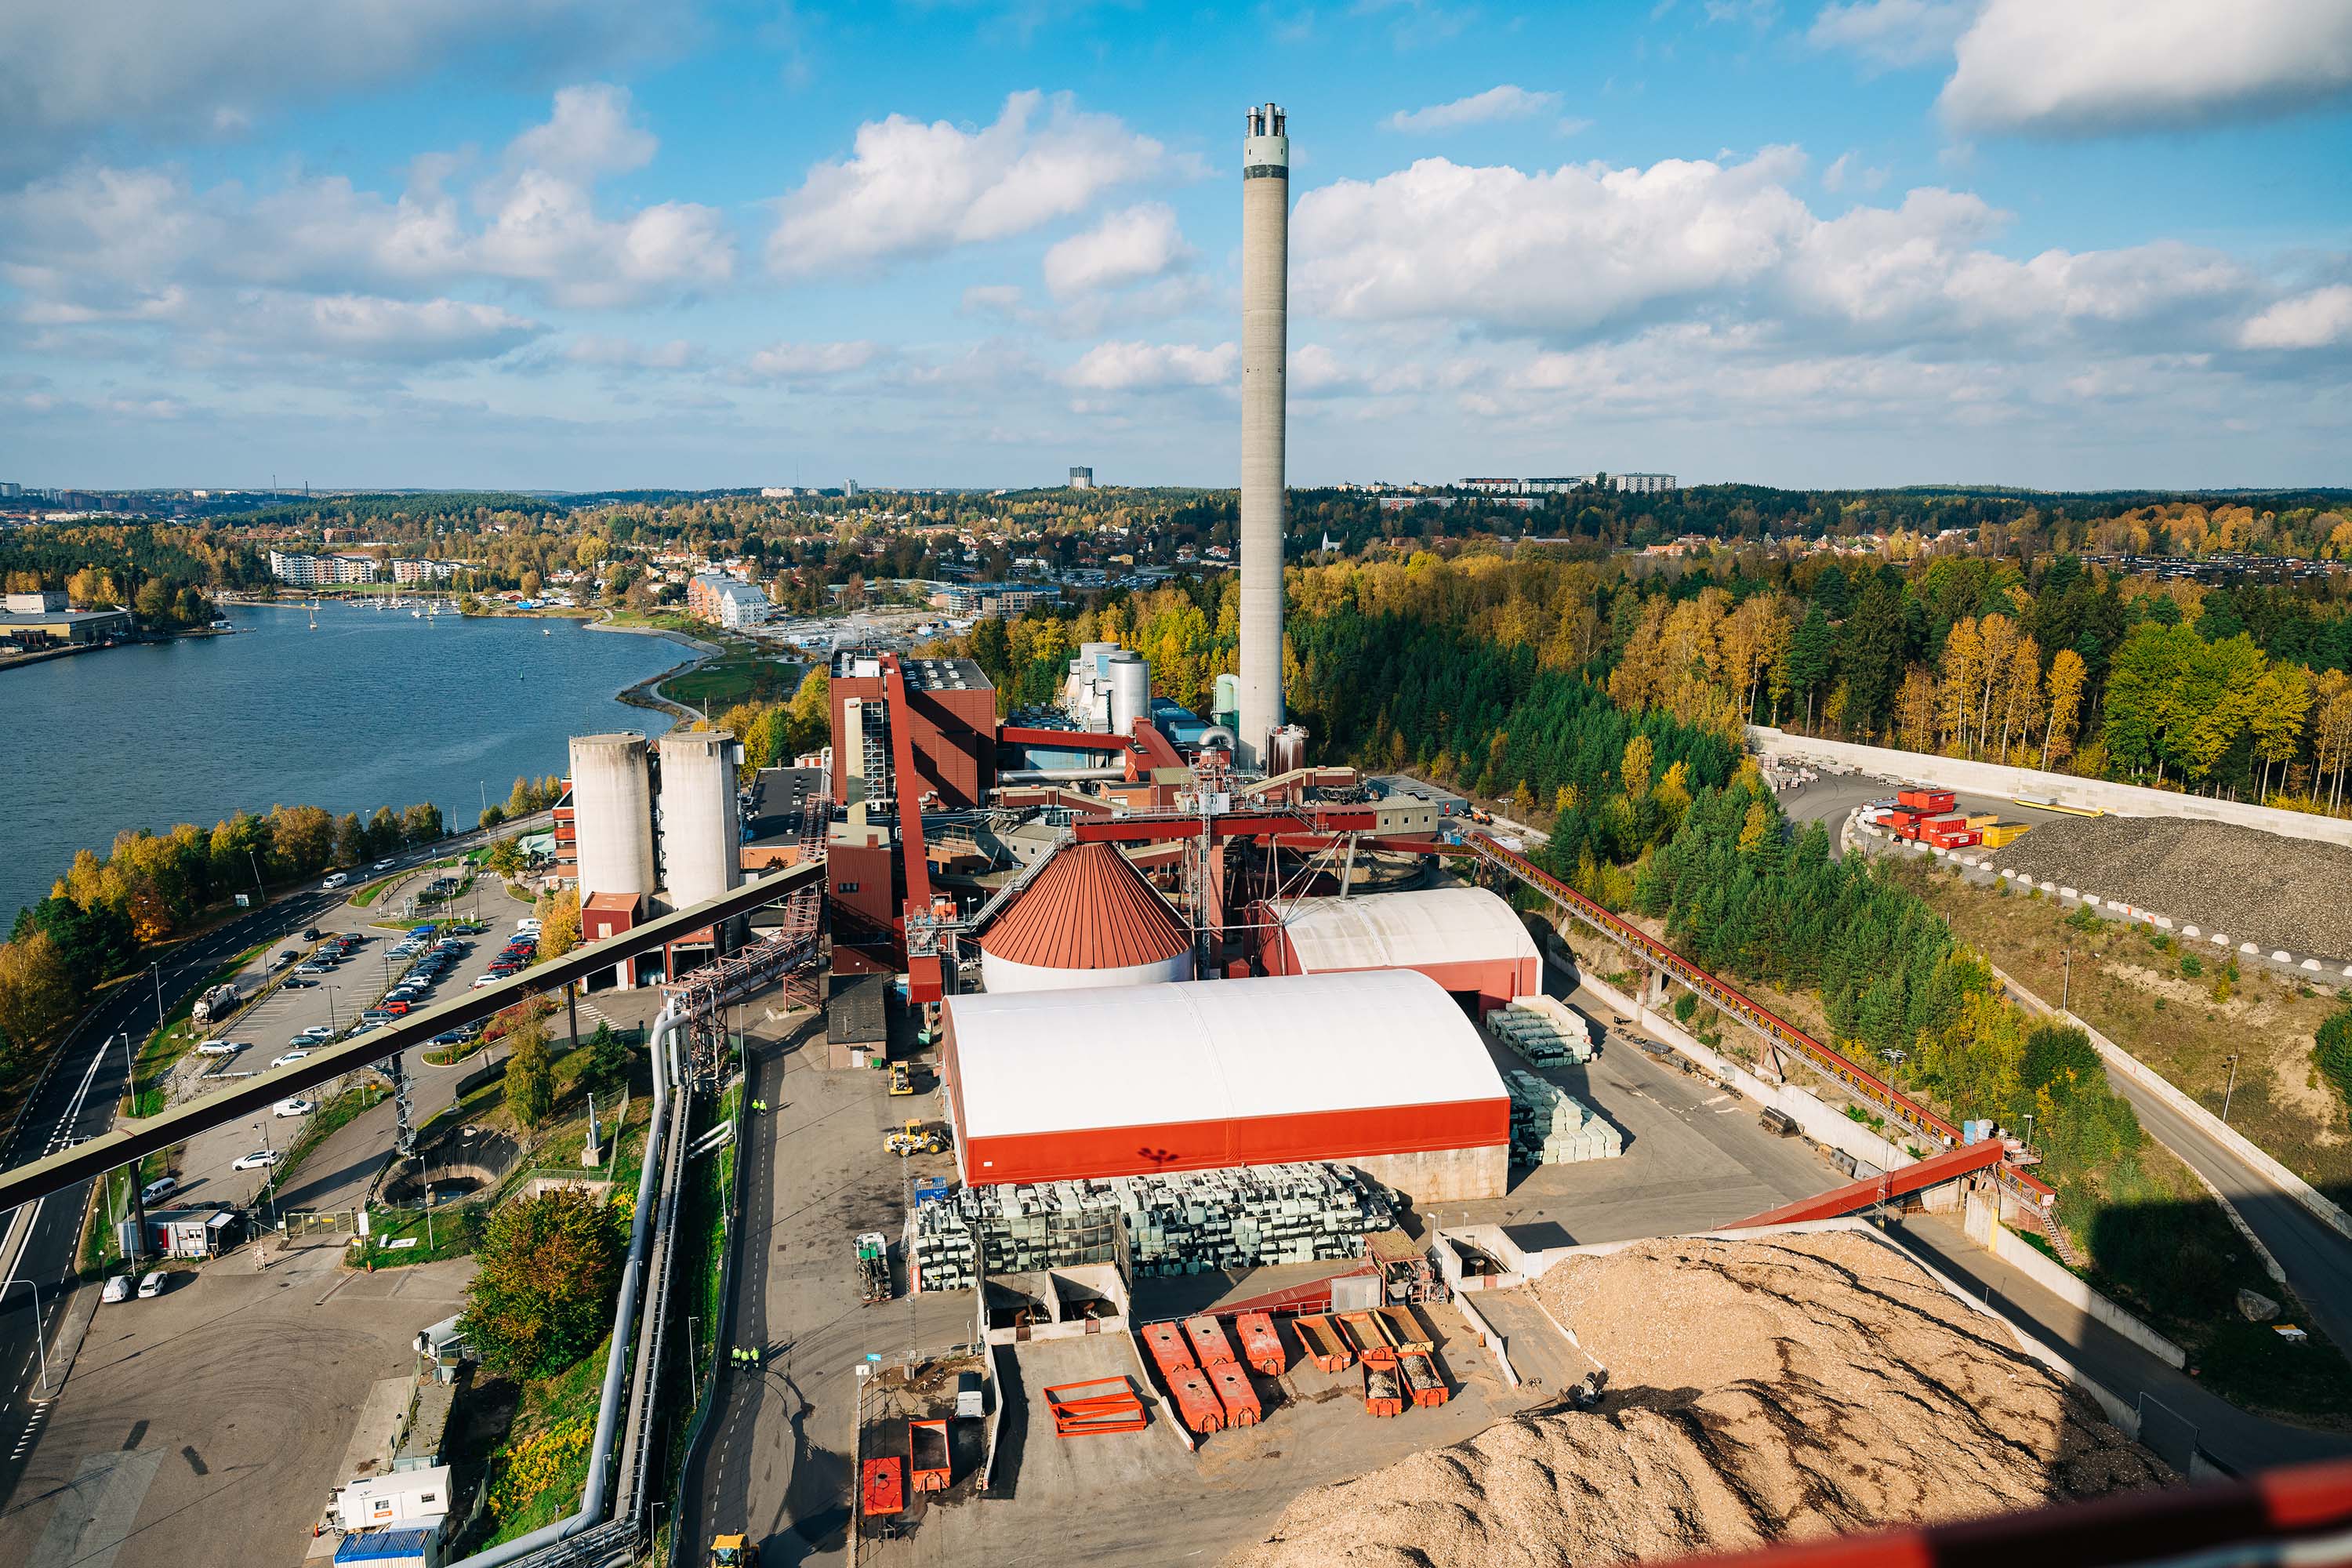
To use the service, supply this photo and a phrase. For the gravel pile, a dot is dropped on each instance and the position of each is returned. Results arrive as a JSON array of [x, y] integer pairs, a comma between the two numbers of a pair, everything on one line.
[[2262, 888], [1759, 1392]]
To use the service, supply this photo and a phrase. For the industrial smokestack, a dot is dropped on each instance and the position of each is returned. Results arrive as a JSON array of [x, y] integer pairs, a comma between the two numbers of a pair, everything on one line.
[[1265, 502]]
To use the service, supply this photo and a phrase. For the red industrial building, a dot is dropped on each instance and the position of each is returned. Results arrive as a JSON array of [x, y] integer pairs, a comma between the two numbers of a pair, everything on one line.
[[1380, 1070], [1466, 938], [949, 714]]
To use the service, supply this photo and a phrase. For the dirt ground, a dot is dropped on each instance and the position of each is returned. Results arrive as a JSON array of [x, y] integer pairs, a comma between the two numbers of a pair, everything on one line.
[[1759, 1392], [2138, 995]]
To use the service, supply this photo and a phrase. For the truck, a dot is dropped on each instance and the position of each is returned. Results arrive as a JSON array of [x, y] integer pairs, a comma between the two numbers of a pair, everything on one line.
[[217, 1003], [873, 1268]]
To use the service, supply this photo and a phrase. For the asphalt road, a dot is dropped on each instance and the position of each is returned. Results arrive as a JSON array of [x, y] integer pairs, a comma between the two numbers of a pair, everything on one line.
[[76, 1098]]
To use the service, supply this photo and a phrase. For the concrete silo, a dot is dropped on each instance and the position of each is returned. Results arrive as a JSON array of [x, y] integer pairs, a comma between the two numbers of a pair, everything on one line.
[[702, 828], [612, 813], [1130, 691]]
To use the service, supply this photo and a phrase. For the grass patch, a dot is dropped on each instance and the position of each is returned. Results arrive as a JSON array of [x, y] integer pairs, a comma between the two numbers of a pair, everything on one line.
[[743, 674], [535, 1476], [164, 1048], [367, 895], [441, 1232]]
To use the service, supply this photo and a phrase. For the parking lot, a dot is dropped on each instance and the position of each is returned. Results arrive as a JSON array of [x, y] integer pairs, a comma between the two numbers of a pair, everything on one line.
[[203, 1428], [336, 1176]]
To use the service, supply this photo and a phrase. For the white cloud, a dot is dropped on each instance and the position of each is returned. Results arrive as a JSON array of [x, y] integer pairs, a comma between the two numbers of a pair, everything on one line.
[[910, 189], [1505, 102], [1130, 247], [809, 362], [1153, 367], [1846, 172], [1568, 251], [1893, 32], [382, 330], [2087, 66], [2313, 320], [589, 134], [101, 237], [69, 73]]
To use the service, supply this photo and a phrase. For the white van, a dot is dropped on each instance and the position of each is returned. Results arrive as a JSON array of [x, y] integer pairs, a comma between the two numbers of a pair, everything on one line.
[[152, 1287], [117, 1288], [218, 1048], [162, 1187]]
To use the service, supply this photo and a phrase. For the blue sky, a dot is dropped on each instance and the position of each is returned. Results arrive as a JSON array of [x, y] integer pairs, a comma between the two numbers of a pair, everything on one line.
[[580, 244]]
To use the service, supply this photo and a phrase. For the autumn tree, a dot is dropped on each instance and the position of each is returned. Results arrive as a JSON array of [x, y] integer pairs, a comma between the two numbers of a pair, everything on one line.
[[2067, 673], [559, 922], [530, 1075], [548, 1269]]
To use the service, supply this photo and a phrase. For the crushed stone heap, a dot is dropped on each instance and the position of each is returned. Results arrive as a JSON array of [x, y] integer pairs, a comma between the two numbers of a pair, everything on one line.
[[1759, 1391]]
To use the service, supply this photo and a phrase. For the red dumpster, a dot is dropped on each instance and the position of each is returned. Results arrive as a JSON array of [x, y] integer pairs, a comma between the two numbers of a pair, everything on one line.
[[1368, 1335], [883, 1488], [1195, 1400], [1421, 1377], [1234, 1394], [1261, 1344], [1095, 1408], [1928, 800], [927, 1442], [1168, 1351], [1207, 1337], [1383, 1392], [1323, 1342]]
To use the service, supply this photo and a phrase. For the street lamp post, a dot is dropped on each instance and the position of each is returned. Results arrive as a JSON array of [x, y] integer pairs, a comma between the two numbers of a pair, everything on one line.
[[2231, 1088], [40, 1341], [268, 1169], [2066, 988]]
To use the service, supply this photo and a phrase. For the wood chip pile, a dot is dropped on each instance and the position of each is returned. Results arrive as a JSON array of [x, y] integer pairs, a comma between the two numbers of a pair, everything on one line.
[[1759, 1392], [2276, 892]]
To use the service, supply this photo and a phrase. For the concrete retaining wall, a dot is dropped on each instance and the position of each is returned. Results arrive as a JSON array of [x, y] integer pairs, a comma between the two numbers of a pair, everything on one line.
[[1813, 1118], [1984, 1227], [1997, 779]]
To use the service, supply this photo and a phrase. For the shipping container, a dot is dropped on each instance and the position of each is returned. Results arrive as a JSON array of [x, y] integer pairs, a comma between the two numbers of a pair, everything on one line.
[[1168, 1351], [1928, 800], [1207, 1338], [883, 1488], [1234, 1394], [2000, 835], [1261, 1344], [1195, 1400], [1321, 1338], [1981, 820]]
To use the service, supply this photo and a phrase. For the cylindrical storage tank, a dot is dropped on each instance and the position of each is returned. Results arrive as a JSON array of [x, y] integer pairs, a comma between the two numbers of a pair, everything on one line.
[[1130, 691], [1227, 709], [612, 813], [701, 839]]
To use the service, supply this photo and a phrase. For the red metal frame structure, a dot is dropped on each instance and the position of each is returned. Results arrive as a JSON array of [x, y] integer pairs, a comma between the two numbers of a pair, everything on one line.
[[2252, 1521], [1160, 827], [1885, 1187], [924, 982], [1067, 739]]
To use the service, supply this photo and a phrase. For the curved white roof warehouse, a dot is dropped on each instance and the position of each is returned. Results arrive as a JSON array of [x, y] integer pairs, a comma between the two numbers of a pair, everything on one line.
[[1466, 939], [1058, 1085]]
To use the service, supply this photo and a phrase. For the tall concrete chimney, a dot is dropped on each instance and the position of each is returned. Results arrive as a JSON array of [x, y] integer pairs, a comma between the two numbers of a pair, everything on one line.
[[1266, 501]]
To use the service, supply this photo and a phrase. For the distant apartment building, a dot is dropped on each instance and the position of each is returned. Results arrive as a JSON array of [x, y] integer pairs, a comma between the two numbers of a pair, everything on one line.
[[724, 602], [1493, 486], [999, 599], [1560, 485], [308, 571], [407, 571], [1082, 478], [1645, 484]]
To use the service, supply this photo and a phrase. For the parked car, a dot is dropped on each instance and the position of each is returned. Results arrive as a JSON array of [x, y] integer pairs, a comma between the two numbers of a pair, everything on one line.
[[259, 1160], [450, 1037], [314, 967], [158, 1189], [319, 1032], [153, 1286], [289, 1058], [117, 1288], [398, 1009], [292, 1108], [482, 980], [218, 1048], [284, 958], [297, 984], [311, 933]]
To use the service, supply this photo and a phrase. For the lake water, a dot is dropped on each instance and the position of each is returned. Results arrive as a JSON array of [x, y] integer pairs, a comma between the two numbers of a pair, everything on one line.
[[373, 708]]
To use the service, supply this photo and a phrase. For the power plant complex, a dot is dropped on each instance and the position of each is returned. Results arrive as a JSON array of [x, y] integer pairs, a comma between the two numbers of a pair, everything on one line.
[[1143, 940]]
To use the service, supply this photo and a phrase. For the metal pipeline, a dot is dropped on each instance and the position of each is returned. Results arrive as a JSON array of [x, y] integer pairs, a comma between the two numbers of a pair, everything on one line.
[[1059, 775], [591, 1512]]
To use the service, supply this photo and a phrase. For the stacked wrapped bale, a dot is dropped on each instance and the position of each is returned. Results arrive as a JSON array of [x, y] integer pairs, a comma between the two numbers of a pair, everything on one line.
[[1549, 1126], [1541, 1038], [1184, 1221]]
